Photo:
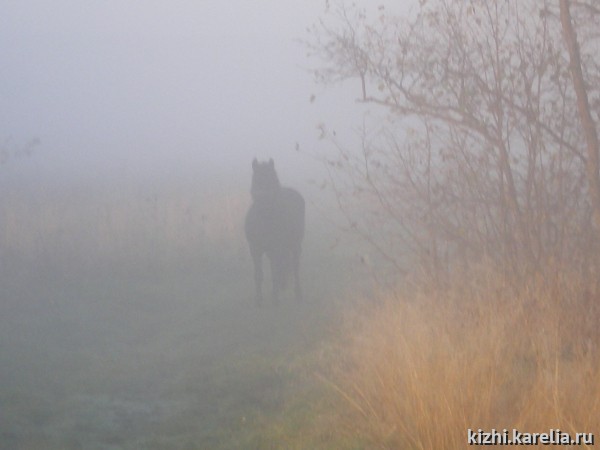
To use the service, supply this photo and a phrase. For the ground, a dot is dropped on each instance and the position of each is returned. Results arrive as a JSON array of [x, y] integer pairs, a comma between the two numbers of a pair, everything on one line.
[[177, 356]]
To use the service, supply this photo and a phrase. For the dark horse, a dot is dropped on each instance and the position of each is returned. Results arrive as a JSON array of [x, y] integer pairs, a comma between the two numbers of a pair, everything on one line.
[[275, 227]]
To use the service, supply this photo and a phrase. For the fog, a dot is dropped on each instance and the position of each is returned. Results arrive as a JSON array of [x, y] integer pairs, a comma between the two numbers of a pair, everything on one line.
[[447, 201], [127, 131], [150, 90]]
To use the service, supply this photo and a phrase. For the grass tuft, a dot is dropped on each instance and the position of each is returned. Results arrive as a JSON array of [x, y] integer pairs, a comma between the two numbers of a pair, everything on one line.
[[422, 367]]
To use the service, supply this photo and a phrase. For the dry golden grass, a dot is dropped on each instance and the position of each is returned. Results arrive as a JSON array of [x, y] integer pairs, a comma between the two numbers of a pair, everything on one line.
[[425, 366], [116, 225]]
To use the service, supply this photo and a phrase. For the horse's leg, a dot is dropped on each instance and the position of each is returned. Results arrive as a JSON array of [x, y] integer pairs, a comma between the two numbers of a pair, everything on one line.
[[296, 268], [277, 274], [257, 257]]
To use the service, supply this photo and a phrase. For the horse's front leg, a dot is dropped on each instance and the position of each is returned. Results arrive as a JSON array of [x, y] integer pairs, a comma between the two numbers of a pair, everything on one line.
[[257, 257], [277, 274]]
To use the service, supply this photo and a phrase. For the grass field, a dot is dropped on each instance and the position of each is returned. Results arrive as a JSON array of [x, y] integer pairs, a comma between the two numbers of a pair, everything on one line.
[[179, 359], [421, 366], [129, 339], [115, 335]]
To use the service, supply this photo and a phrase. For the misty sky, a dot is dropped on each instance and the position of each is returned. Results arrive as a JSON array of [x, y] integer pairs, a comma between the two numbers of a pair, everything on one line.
[[152, 88]]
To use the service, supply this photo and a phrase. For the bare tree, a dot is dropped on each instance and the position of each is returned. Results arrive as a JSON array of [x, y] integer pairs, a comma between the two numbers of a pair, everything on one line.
[[483, 156], [583, 107]]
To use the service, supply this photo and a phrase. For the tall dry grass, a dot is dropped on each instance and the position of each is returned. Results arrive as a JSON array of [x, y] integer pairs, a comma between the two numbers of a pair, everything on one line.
[[97, 226], [425, 365]]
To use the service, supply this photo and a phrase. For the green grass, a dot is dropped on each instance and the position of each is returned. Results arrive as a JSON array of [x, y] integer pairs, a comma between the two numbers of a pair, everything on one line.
[[158, 356]]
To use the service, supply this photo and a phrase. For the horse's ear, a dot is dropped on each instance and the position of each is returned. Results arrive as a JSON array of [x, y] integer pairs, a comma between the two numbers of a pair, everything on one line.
[[254, 164], [272, 163]]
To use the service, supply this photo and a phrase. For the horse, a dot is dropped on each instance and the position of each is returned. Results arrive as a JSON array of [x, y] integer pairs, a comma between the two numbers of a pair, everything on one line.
[[274, 226]]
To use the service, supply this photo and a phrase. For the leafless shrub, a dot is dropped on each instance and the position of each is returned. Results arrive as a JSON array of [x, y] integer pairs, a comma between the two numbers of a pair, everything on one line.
[[482, 154]]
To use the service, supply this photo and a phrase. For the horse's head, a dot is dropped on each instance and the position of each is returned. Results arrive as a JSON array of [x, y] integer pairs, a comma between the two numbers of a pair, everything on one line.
[[265, 183]]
